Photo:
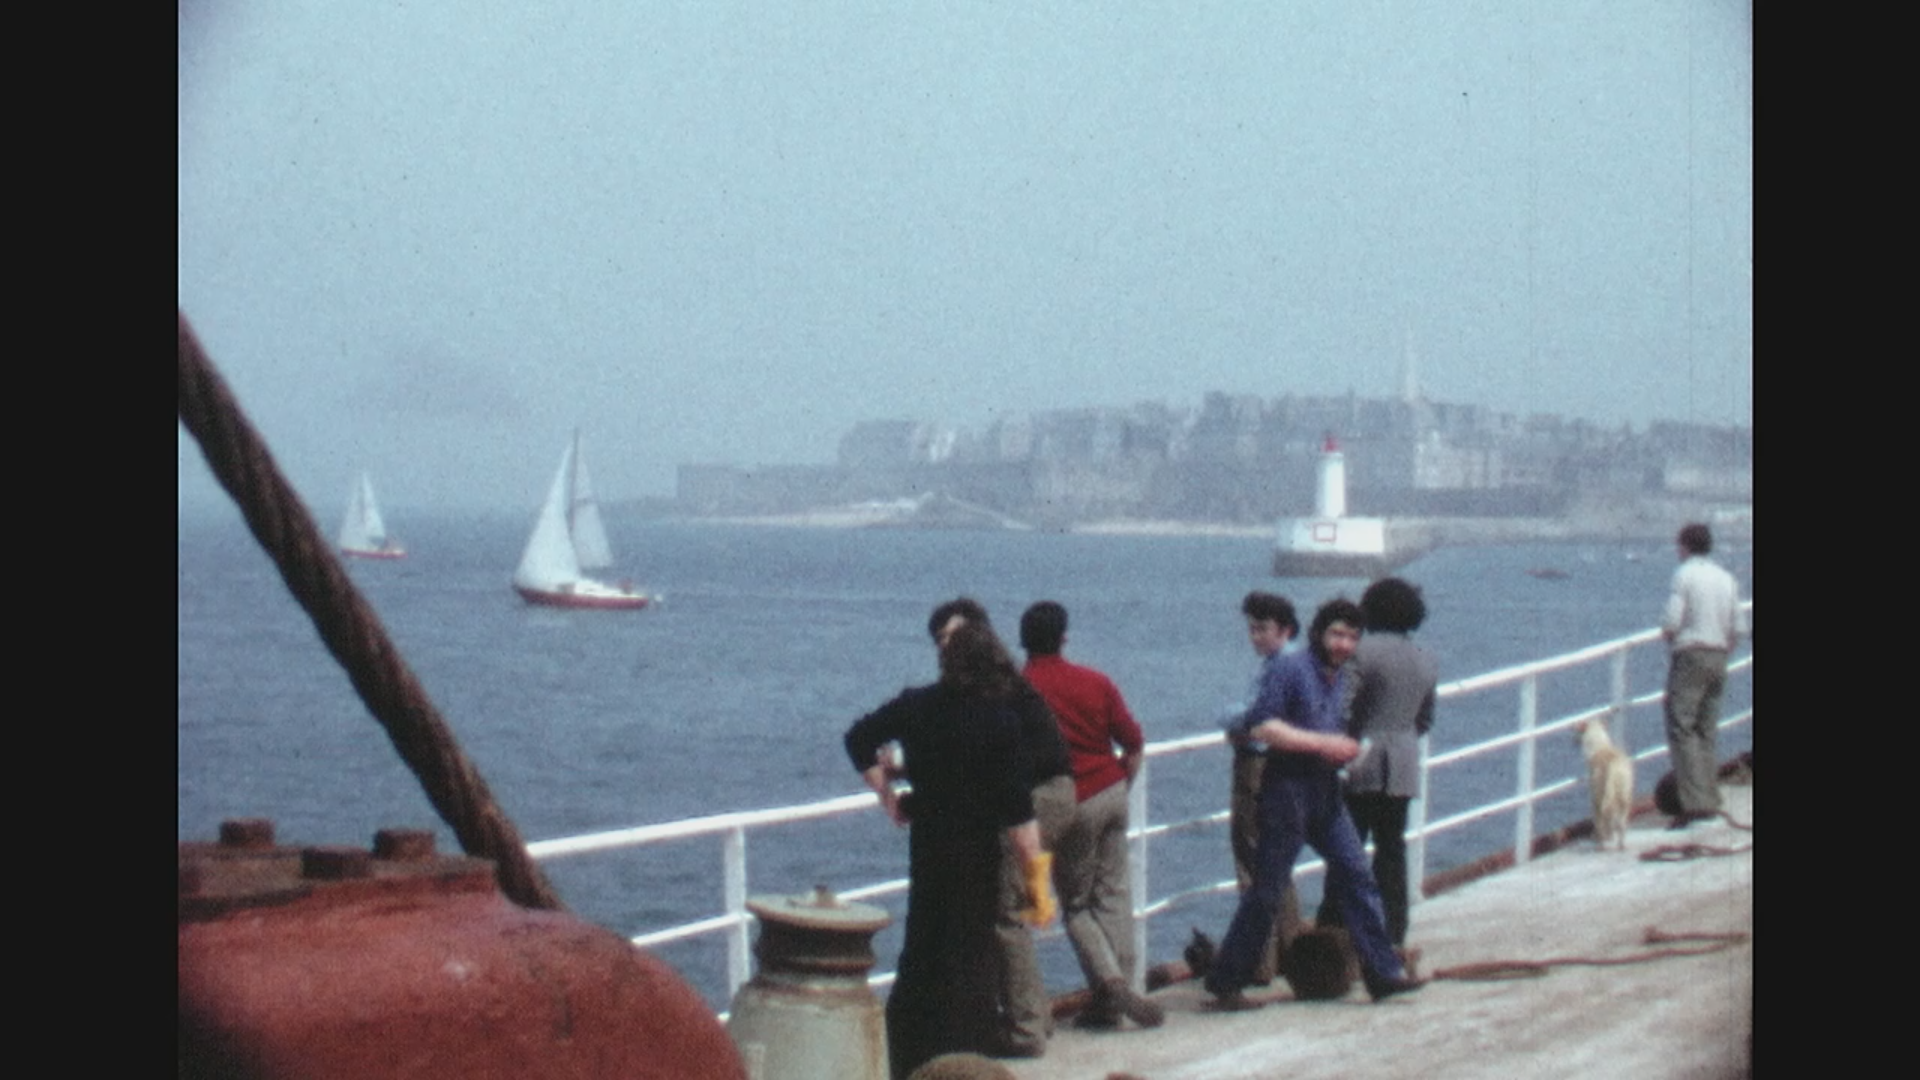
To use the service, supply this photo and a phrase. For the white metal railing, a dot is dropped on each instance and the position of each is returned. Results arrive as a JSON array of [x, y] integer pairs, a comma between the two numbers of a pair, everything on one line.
[[732, 828]]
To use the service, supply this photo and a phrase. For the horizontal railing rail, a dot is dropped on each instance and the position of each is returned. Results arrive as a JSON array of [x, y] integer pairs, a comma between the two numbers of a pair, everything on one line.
[[731, 829]]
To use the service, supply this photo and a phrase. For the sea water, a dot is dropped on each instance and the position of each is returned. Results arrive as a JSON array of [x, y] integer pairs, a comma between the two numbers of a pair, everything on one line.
[[734, 690]]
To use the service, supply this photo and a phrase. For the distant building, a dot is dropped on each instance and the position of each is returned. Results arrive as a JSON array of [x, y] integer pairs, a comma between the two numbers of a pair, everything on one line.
[[1240, 458]]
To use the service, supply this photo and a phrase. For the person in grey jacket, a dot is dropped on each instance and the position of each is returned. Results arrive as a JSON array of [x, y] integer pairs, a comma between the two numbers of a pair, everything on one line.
[[1392, 706]]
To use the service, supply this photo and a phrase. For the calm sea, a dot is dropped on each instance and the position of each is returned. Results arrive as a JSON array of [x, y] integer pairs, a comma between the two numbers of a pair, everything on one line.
[[734, 691]]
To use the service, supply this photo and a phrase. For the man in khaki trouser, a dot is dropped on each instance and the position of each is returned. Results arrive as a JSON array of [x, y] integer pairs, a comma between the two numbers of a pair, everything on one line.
[[1702, 623], [1090, 860]]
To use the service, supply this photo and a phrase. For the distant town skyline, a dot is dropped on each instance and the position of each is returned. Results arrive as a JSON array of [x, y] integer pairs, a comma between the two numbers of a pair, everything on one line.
[[430, 245], [1243, 459], [1194, 406]]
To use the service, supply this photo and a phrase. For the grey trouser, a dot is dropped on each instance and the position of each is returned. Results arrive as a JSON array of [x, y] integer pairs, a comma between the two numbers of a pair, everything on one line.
[[1090, 873], [1029, 1010], [1694, 683]]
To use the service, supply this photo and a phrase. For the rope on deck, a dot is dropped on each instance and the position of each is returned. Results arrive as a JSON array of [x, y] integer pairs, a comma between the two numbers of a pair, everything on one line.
[[348, 626], [1683, 852], [1497, 970]]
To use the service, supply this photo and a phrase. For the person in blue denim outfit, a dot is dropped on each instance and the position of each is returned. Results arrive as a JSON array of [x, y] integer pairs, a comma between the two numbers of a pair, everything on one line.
[[1299, 719]]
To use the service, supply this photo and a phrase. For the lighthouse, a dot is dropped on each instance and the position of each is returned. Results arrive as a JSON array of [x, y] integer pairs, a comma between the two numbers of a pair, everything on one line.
[[1329, 543], [1330, 491]]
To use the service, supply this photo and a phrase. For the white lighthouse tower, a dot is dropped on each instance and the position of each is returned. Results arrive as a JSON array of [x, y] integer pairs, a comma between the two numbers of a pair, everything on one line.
[[1330, 492], [1331, 544]]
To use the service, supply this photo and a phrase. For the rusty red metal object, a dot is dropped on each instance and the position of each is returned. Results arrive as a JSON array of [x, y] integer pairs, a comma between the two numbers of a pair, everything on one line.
[[333, 962]]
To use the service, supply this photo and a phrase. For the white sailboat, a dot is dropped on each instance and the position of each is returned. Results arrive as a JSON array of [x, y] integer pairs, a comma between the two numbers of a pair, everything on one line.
[[569, 539], [363, 533]]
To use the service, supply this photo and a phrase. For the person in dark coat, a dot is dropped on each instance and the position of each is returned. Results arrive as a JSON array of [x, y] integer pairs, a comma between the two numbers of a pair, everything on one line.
[[1026, 1010], [966, 763]]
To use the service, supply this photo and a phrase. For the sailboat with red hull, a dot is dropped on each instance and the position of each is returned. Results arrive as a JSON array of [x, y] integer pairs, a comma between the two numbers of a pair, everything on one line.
[[569, 539]]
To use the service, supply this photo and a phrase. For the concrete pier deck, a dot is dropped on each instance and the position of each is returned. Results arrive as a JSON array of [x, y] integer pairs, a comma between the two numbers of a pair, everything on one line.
[[1685, 1018]]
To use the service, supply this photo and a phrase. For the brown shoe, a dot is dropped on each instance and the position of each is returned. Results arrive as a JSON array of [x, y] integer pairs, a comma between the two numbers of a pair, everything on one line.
[[1095, 1019], [1138, 1009], [1009, 1045], [1231, 1001], [1409, 958], [1382, 989]]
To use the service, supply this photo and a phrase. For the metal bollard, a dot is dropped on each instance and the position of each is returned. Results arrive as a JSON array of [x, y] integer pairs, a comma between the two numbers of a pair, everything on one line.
[[808, 1013]]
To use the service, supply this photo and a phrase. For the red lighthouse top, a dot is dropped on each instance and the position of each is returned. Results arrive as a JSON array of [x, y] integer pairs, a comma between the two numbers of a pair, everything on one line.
[[1329, 447]]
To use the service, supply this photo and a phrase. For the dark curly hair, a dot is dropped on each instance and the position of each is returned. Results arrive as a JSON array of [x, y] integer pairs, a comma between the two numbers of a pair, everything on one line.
[[1043, 627], [974, 662], [1267, 607], [1696, 538], [1394, 605]]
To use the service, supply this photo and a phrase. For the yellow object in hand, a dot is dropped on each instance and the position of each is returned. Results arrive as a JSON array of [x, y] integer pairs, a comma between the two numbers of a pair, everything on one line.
[[1041, 906]]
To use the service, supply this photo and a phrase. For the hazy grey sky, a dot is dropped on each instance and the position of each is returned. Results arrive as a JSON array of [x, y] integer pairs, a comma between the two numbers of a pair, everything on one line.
[[427, 240]]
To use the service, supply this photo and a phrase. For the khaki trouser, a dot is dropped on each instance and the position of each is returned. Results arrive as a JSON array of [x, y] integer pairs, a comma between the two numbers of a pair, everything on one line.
[[1694, 684], [1090, 873], [1024, 995]]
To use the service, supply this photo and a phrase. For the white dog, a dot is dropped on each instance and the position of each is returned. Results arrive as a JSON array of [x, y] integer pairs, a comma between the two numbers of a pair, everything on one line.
[[1610, 781]]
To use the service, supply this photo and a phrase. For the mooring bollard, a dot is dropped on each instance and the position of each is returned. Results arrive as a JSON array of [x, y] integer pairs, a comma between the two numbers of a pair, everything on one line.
[[343, 963], [808, 1011]]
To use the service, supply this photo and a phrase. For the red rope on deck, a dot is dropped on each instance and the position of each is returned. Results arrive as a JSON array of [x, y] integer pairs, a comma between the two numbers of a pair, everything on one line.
[[1683, 852], [348, 626], [1495, 970]]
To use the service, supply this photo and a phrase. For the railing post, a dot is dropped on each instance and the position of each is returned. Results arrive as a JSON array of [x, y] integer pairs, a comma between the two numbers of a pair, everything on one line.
[[1137, 875], [1523, 821], [1618, 722], [1417, 825], [734, 862]]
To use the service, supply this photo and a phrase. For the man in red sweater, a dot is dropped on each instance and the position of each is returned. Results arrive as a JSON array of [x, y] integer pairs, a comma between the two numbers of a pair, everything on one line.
[[1090, 857]]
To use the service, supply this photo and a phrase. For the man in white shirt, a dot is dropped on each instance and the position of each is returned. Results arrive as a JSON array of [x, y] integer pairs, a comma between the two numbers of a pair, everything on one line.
[[1702, 623]]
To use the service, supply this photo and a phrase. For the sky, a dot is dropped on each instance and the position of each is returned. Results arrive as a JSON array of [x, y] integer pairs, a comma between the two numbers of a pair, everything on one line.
[[428, 241]]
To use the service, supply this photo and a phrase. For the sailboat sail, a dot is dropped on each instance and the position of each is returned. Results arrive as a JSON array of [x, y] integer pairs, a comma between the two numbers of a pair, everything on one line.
[[549, 563], [363, 531], [590, 545]]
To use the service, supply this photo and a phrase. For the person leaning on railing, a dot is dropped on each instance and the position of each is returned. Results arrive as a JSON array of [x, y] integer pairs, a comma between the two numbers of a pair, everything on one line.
[[966, 762], [1702, 623], [1091, 871], [1271, 624], [1025, 1007], [1395, 685]]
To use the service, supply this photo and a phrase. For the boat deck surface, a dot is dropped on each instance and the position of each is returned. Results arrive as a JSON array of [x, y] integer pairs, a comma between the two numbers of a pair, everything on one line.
[[1674, 1017]]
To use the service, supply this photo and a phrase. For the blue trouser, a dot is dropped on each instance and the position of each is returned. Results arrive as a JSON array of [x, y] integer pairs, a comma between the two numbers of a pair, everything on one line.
[[1296, 810]]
